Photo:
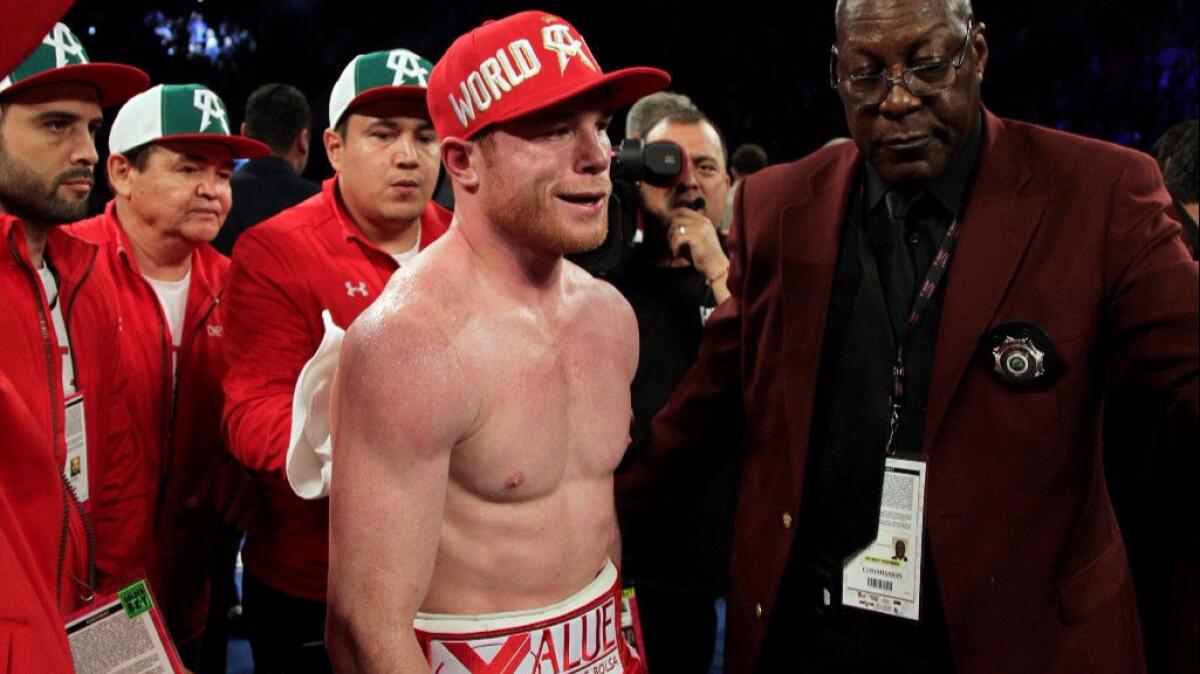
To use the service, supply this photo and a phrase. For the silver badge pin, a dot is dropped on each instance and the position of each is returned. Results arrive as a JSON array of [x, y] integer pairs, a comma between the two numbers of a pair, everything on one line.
[[1021, 355], [1018, 360]]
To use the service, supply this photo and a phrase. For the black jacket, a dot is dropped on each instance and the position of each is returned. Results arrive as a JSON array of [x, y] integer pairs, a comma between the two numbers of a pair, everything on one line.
[[261, 188]]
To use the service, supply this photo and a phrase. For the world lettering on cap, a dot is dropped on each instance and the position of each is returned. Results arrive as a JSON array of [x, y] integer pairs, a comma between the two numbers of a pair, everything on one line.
[[60, 57], [524, 63], [178, 112], [394, 74]]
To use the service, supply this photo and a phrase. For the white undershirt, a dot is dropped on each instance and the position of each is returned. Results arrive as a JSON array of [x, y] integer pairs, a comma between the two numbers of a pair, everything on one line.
[[172, 296], [409, 254], [50, 287]]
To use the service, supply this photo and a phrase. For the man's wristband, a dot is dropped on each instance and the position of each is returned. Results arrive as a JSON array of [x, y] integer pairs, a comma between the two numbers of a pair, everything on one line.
[[719, 275]]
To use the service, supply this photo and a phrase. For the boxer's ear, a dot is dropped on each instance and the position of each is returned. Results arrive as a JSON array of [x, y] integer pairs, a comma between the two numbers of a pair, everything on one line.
[[461, 159]]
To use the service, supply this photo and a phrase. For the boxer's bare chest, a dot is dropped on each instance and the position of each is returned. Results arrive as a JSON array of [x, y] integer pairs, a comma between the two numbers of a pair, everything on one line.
[[554, 403]]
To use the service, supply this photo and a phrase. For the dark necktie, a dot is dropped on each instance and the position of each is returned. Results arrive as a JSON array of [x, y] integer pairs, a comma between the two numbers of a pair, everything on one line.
[[852, 467], [897, 273]]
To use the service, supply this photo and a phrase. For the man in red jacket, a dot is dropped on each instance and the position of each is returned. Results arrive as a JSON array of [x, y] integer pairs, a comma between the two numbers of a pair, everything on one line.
[[333, 252], [76, 486], [171, 158]]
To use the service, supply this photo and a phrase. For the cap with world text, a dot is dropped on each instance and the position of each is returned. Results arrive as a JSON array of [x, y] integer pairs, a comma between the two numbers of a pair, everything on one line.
[[522, 64]]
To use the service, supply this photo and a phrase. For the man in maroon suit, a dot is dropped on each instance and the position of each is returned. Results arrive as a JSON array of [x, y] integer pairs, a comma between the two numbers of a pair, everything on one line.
[[918, 335]]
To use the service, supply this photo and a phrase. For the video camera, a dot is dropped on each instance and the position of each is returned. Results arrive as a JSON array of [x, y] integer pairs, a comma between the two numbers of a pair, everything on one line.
[[634, 161]]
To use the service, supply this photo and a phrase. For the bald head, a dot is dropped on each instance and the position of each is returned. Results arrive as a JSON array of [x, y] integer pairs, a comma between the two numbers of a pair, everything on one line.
[[960, 10]]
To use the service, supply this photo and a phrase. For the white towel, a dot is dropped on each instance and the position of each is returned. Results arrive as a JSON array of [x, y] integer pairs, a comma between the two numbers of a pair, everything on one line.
[[310, 454]]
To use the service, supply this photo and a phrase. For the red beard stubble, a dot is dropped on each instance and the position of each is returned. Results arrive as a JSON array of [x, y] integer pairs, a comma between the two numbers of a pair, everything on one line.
[[527, 215]]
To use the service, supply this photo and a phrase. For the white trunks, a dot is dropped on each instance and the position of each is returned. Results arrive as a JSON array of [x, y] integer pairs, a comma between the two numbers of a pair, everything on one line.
[[579, 635]]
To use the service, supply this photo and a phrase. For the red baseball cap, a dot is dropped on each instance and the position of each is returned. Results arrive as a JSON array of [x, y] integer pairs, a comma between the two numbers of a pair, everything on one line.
[[521, 64]]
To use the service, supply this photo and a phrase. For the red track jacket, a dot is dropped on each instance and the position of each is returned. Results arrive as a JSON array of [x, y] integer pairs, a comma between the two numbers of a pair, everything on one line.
[[32, 639], [287, 270], [55, 525], [180, 432]]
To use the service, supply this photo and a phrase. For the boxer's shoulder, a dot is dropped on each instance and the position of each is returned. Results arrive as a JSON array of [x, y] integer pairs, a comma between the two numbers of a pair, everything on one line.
[[602, 311], [415, 312], [397, 347], [593, 298], [433, 290]]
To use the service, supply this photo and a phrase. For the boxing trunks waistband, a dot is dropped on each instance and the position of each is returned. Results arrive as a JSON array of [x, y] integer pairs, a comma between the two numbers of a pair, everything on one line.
[[579, 635]]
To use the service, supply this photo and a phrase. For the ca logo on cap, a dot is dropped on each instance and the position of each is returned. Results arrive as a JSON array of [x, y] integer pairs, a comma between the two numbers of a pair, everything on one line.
[[211, 108], [557, 38], [408, 68], [67, 48]]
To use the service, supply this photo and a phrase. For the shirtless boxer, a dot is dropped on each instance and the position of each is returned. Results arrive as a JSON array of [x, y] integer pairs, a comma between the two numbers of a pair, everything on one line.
[[482, 402]]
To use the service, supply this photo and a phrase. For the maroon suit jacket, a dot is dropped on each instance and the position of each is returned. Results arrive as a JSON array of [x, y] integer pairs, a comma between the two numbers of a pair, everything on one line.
[[1070, 233]]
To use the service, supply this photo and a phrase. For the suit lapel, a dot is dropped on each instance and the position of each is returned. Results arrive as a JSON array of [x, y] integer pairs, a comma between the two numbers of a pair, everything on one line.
[[1001, 218], [809, 235]]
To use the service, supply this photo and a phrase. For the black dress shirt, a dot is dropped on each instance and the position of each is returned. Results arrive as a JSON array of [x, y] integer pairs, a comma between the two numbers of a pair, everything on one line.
[[941, 201]]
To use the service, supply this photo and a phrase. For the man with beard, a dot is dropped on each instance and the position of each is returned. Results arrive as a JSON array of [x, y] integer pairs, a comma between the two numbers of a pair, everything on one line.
[[77, 489], [482, 404], [333, 252], [30, 611]]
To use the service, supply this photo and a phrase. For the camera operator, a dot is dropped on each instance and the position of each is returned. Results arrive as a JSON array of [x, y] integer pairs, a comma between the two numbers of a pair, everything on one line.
[[676, 558], [681, 222], [649, 110]]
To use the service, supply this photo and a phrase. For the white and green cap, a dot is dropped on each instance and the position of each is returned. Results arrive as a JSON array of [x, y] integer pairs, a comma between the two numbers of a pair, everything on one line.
[[378, 76], [178, 112], [60, 57]]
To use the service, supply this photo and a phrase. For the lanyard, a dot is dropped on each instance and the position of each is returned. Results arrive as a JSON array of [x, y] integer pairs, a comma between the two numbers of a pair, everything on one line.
[[937, 270]]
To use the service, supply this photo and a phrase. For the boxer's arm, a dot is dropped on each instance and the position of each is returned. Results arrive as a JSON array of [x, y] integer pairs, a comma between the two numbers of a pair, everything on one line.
[[399, 407]]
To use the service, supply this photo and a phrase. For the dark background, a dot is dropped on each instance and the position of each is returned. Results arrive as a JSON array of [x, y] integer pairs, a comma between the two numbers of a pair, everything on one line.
[[1123, 71]]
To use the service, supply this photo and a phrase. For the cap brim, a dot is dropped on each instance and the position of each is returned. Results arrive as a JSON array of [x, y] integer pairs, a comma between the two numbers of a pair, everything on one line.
[[376, 94], [624, 86], [115, 82], [240, 147], [630, 84]]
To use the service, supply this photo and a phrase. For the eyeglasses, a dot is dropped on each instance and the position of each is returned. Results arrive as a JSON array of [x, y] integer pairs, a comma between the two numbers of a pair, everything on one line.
[[926, 79]]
